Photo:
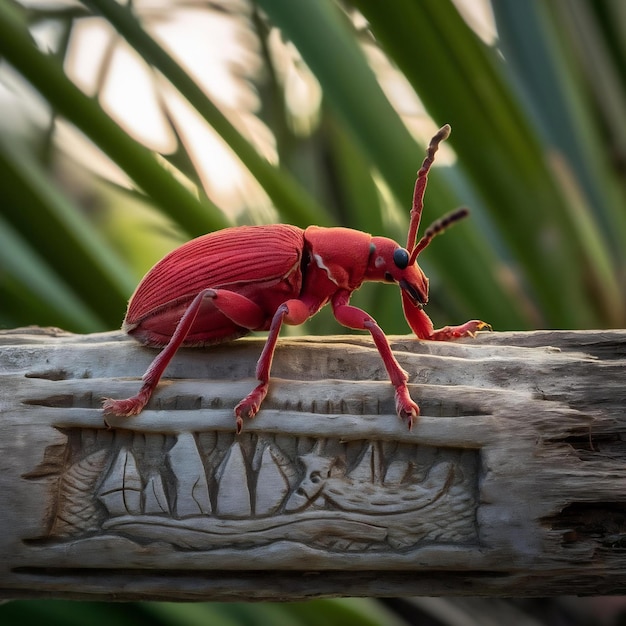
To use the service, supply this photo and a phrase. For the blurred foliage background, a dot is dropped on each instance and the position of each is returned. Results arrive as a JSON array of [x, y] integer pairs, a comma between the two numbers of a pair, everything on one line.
[[126, 129]]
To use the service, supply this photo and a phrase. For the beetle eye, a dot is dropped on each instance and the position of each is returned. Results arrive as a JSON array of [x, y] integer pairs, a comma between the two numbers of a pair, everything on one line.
[[401, 258]]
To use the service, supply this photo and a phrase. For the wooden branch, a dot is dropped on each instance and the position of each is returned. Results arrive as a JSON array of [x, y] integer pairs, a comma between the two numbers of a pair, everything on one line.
[[513, 481]]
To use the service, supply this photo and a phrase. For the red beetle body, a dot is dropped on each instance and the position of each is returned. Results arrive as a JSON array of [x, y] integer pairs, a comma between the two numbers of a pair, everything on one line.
[[269, 273], [225, 284]]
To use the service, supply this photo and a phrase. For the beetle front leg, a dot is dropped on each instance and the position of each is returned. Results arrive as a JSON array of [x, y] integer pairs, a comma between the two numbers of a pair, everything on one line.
[[353, 317], [449, 333], [294, 312], [423, 327]]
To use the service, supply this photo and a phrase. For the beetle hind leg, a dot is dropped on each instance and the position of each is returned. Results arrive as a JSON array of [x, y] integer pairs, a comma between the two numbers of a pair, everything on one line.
[[239, 309], [134, 405]]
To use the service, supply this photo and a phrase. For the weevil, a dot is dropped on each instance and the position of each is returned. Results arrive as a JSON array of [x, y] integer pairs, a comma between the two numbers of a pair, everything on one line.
[[225, 284]]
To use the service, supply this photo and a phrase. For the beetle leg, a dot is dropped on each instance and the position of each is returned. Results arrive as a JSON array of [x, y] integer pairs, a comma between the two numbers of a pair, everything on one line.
[[292, 312], [240, 309], [353, 317], [469, 329], [423, 327], [135, 404]]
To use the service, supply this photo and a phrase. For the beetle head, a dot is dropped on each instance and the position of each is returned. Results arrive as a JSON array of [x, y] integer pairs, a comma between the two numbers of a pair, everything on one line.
[[390, 263]]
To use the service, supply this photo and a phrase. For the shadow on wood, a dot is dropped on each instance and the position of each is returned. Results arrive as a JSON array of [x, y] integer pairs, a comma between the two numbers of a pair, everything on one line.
[[512, 483]]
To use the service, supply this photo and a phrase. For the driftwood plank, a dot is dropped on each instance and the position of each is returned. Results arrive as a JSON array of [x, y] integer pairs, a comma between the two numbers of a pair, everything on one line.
[[513, 482]]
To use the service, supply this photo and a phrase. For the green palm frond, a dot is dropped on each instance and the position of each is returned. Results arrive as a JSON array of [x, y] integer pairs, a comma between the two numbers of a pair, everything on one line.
[[537, 141]]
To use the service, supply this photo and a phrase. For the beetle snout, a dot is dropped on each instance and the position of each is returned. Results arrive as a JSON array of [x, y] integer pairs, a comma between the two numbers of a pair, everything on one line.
[[417, 298]]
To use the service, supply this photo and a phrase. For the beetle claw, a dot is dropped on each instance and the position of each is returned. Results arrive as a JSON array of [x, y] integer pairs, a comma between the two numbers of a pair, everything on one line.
[[239, 426], [244, 411], [405, 407], [410, 417], [130, 406], [250, 405], [124, 408]]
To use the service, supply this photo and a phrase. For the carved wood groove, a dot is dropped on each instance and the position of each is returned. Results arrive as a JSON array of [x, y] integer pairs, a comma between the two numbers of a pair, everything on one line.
[[513, 481]]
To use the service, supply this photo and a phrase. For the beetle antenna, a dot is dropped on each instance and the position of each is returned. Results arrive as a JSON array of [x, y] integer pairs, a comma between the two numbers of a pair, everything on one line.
[[420, 185], [436, 228]]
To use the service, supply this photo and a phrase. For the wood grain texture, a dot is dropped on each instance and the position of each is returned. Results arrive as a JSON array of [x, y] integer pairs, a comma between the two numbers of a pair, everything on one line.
[[512, 483]]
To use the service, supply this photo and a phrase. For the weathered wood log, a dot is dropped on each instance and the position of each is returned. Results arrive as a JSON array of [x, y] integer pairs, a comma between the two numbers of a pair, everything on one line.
[[513, 481]]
